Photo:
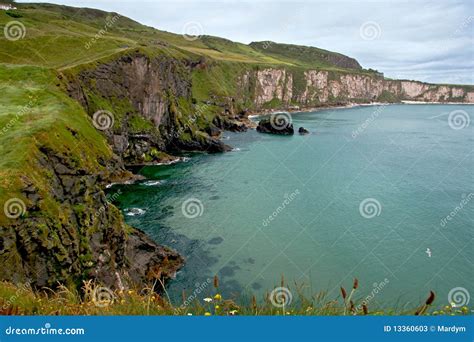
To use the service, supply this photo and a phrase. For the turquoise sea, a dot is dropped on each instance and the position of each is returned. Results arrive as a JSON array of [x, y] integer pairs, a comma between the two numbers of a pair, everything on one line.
[[367, 194]]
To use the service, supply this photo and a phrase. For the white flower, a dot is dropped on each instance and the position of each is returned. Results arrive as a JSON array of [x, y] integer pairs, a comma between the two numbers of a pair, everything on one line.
[[208, 300], [190, 314]]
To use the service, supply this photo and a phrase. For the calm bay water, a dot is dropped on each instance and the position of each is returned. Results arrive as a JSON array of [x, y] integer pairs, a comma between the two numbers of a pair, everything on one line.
[[362, 196]]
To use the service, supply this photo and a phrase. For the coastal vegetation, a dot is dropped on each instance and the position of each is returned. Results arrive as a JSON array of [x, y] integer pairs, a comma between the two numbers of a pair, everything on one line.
[[92, 299]]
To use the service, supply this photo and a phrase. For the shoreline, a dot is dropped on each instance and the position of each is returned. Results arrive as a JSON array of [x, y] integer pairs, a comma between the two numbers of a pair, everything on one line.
[[347, 106]]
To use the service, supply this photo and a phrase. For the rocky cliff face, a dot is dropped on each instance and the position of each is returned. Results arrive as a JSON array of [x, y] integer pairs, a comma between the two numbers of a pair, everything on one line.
[[326, 88], [84, 237], [151, 102]]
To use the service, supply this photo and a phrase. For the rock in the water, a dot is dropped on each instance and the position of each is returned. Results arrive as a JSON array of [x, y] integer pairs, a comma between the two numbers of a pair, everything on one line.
[[303, 130], [276, 124]]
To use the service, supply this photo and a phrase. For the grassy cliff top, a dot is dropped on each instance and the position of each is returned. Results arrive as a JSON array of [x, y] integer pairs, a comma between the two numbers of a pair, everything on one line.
[[59, 36]]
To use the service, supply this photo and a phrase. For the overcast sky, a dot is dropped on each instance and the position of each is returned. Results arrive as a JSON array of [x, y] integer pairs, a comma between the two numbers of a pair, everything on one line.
[[429, 40]]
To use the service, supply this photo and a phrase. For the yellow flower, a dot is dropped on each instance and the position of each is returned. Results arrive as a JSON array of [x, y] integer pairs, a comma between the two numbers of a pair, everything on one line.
[[217, 307], [217, 297], [207, 314]]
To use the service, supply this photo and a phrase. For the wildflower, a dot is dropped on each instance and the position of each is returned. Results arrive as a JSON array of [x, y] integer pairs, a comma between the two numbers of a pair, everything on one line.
[[217, 297], [207, 314], [207, 300], [190, 314], [233, 312], [217, 307]]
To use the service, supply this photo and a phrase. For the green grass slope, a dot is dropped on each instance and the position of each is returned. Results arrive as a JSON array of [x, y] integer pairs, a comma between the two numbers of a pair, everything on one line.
[[35, 113], [60, 36]]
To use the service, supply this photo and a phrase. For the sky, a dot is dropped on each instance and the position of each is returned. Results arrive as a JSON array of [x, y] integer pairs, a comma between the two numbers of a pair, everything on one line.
[[427, 40]]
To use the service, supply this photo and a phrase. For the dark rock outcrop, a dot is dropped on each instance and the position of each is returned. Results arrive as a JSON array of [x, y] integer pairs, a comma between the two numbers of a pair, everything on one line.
[[276, 124], [303, 131]]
